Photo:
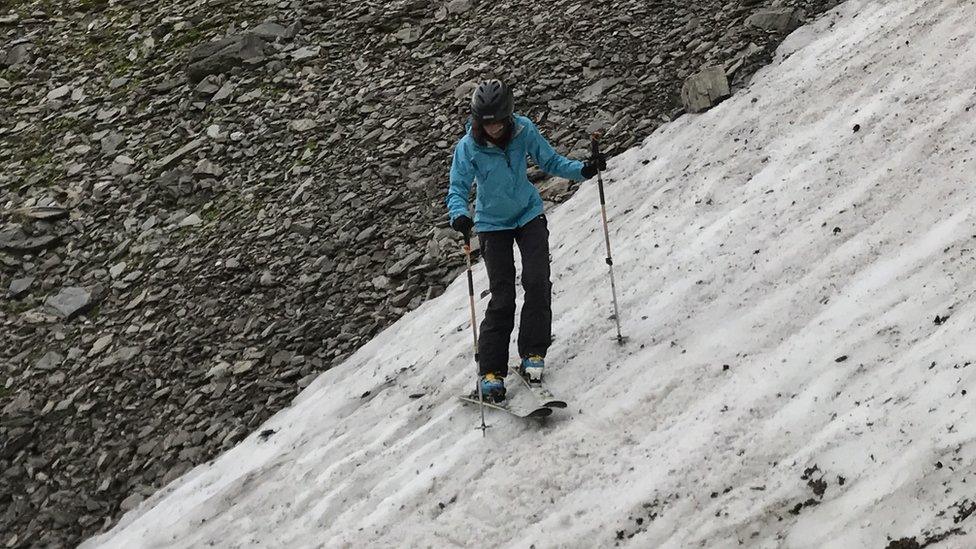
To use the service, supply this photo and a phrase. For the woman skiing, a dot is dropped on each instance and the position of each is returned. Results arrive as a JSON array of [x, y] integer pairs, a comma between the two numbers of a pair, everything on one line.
[[508, 211]]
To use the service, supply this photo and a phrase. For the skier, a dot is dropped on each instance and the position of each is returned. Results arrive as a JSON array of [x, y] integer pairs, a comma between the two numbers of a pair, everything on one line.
[[508, 210]]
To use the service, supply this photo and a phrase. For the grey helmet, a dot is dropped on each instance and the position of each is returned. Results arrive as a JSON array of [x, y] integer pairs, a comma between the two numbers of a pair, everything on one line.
[[492, 100]]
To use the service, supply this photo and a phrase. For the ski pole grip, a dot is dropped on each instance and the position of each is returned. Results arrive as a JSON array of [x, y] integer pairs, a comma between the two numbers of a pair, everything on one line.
[[595, 151], [467, 253]]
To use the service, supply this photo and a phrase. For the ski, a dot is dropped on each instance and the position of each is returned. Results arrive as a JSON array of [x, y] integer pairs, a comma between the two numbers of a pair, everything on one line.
[[517, 411], [540, 391]]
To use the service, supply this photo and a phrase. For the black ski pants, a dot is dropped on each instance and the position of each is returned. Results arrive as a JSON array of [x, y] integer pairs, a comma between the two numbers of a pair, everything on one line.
[[535, 328]]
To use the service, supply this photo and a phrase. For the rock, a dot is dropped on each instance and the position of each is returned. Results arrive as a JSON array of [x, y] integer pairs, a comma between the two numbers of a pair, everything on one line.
[[465, 90], [104, 115], [121, 166], [246, 50], [131, 502], [18, 55], [125, 355], [303, 125], [704, 89], [243, 367], [100, 345], [459, 6], [110, 143], [305, 52], [117, 270], [402, 299], [273, 31], [219, 370], [29, 245], [781, 20], [58, 93], [206, 168], [598, 88], [207, 87], [20, 403], [280, 358], [46, 213], [171, 160], [213, 132], [117, 83], [167, 85], [409, 35], [401, 266], [49, 361], [19, 286], [191, 220], [69, 302], [224, 92]]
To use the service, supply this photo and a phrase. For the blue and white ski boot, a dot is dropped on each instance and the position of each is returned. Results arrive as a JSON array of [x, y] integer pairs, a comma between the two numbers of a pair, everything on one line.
[[532, 367], [492, 388]]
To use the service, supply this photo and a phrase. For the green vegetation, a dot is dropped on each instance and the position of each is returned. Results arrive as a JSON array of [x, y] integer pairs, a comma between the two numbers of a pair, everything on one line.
[[210, 215], [185, 38], [15, 307], [11, 75], [120, 66], [64, 124]]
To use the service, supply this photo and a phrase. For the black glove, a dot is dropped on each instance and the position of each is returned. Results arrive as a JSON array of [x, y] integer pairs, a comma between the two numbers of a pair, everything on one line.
[[597, 162], [463, 225]]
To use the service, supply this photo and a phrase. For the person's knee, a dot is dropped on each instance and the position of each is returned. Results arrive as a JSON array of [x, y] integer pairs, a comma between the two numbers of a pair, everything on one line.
[[502, 303], [539, 284]]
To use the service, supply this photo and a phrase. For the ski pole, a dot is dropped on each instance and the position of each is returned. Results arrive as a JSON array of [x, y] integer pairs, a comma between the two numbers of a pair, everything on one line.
[[474, 331], [595, 151]]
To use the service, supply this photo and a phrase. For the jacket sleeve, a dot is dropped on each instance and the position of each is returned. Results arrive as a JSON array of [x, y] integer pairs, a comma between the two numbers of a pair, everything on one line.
[[549, 160], [459, 191]]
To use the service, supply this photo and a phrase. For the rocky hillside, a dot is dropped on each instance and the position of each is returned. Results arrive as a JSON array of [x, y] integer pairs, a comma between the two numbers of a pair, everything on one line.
[[205, 204]]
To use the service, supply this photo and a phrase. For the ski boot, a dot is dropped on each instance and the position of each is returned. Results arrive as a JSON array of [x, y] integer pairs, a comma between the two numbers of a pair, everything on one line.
[[492, 388], [532, 367]]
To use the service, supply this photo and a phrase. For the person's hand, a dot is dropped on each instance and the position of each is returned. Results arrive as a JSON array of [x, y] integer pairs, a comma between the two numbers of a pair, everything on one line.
[[596, 162], [463, 225]]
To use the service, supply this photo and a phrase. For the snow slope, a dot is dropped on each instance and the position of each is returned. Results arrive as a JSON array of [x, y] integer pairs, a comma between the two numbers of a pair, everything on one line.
[[756, 245]]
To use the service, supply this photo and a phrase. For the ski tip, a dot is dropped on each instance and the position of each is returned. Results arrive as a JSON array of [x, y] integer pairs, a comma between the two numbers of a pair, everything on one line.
[[540, 412]]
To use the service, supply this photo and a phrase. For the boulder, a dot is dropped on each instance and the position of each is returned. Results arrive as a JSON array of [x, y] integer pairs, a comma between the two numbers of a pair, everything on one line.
[[69, 302], [222, 55], [705, 89], [780, 20]]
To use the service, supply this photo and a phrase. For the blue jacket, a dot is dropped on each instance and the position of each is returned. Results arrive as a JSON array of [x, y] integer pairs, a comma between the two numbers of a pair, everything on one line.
[[505, 199]]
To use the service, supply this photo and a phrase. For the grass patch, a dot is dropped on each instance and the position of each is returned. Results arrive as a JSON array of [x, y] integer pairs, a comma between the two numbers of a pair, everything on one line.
[[38, 160], [64, 124], [121, 66], [16, 307], [11, 75], [185, 38], [210, 215]]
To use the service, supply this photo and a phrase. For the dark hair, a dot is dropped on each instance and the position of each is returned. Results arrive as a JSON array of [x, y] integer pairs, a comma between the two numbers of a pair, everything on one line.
[[481, 137]]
